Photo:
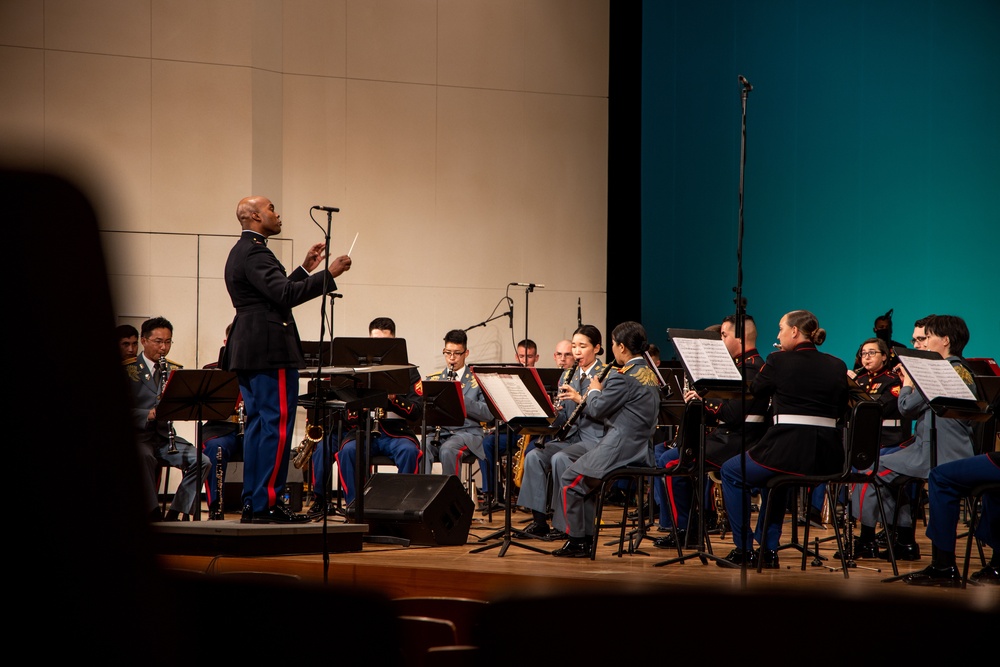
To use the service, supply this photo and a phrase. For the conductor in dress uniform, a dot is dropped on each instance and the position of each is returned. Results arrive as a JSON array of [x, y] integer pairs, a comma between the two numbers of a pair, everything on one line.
[[265, 351]]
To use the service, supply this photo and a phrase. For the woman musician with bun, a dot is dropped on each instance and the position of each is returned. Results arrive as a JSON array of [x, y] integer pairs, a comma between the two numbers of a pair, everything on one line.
[[628, 401], [808, 392], [574, 426]]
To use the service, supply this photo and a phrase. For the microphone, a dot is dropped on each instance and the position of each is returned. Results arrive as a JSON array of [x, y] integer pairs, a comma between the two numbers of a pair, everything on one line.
[[328, 209], [510, 315], [579, 313], [335, 295], [531, 285], [745, 83]]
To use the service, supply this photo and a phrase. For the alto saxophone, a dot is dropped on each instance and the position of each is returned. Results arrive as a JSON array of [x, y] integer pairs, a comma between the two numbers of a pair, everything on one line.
[[304, 452], [517, 465]]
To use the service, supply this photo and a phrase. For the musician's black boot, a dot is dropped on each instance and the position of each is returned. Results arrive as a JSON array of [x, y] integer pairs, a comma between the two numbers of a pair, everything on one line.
[[864, 544], [990, 574], [247, 515], [941, 572], [174, 515], [575, 547], [905, 547]]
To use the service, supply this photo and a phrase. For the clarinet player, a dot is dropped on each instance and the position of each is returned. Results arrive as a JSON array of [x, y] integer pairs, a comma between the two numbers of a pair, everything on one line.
[[158, 443]]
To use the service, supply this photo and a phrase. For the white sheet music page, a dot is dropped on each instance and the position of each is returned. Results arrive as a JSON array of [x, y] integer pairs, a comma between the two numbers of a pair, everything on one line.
[[510, 396], [936, 378], [707, 359]]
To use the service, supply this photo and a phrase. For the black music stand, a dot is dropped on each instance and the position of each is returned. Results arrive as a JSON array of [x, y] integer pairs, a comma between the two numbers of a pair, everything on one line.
[[196, 395], [948, 397], [379, 364], [516, 397], [714, 375]]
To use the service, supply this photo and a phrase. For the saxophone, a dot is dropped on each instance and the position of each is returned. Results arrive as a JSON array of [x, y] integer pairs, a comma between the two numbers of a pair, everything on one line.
[[517, 465], [304, 452]]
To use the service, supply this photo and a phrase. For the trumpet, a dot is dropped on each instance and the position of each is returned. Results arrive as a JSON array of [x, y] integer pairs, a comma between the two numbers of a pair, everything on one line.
[[304, 452]]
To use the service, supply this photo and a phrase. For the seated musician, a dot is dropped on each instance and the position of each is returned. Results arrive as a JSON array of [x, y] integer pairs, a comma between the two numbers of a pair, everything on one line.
[[724, 442], [629, 403], [576, 430], [158, 442], [391, 431], [455, 441]]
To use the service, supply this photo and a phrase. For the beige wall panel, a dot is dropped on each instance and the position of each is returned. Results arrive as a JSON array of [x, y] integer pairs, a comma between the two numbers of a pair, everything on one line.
[[481, 179], [565, 204], [390, 181], [481, 44], [392, 40], [215, 312], [176, 299], [127, 254], [314, 35], [100, 105], [213, 250], [267, 133], [113, 27], [22, 23], [567, 47], [314, 152], [173, 255], [201, 146], [266, 46], [206, 31], [22, 115]]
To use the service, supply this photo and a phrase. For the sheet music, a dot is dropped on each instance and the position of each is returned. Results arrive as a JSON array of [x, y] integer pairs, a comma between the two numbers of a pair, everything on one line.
[[510, 396], [707, 359], [936, 378]]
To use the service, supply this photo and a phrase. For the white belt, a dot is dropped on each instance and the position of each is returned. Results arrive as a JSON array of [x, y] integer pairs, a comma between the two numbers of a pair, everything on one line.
[[805, 420], [890, 422], [755, 419]]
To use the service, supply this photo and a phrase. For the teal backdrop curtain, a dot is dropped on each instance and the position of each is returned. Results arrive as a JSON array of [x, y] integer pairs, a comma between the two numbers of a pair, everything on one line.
[[872, 177]]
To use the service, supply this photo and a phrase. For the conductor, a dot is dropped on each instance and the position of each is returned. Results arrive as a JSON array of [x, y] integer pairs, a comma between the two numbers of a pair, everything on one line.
[[265, 352]]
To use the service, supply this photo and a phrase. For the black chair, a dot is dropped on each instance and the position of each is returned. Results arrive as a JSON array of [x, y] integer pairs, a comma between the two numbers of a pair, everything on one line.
[[638, 476], [976, 504], [861, 451]]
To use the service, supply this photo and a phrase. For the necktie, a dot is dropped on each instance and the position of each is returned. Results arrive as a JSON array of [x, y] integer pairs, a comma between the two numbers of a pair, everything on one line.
[[452, 375], [157, 377]]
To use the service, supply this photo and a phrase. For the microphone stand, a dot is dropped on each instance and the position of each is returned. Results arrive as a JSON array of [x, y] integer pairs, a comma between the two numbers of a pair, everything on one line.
[[741, 305], [321, 412], [509, 313]]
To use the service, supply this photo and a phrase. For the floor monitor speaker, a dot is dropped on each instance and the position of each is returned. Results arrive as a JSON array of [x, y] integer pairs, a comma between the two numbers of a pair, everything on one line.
[[425, 509]]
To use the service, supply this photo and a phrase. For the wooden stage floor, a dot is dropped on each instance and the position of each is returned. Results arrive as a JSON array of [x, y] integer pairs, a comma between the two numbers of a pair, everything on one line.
[[418, 570]]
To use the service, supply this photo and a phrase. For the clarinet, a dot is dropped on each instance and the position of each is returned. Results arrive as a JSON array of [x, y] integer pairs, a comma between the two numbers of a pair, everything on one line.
[[564, 431], [164, 372]]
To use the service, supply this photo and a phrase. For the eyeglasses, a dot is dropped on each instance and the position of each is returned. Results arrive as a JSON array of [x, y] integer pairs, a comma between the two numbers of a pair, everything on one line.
[[453, 353], [160, 341], [869, 353], [918, 339]]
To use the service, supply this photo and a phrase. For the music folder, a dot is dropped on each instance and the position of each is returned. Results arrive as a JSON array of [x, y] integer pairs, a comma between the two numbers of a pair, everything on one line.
[[197, 394], [941, 386], [515, 395], [706, 361]]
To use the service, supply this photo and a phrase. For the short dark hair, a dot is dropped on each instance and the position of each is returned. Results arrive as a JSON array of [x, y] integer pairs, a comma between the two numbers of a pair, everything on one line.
[[383, 324], [528, 344], [591, 332], [126, 331], [458, 337], [156, 323], [632, 335], [883, 347], [954, 328], [922, 322]]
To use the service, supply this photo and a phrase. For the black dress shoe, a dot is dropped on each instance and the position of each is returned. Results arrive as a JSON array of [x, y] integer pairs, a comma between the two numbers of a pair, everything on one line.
[[814, 517], [902, 552], [279, 514], [247, 515], [667, 541], [737, 556], [882, 540], [574, 549], [989, 575], [862, 550], [155, 515], [537, 530], [769, 558], [315, 512], [556, 535], [935, 576]]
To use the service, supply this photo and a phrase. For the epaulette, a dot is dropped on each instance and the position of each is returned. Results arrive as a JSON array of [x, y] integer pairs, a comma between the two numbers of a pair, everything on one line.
[[173, 364], [130, 360], [646, 376], [435, 376], [625, 369], [964, 373]]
